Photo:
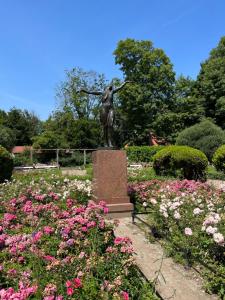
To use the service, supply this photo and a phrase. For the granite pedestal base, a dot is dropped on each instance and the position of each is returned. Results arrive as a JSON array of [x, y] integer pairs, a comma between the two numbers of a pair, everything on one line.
[[110, 181]]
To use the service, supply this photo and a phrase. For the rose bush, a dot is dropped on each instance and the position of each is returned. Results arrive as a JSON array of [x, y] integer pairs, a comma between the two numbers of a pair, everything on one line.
[[53, 247], [189, 218]]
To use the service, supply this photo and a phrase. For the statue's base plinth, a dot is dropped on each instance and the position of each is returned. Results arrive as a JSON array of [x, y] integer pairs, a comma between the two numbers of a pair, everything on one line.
[[110, 181]]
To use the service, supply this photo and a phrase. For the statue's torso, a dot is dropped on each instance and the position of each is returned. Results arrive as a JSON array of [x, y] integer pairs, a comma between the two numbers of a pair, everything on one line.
[[107, 98]]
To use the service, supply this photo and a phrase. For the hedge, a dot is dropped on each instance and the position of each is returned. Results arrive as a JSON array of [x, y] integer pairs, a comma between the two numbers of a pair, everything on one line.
[[182, 161], [142, 153], [218, 159]]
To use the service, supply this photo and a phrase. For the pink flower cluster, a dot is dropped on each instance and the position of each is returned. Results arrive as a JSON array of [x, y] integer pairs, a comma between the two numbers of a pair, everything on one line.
[[44, 235], [72, 285], [24, 292]]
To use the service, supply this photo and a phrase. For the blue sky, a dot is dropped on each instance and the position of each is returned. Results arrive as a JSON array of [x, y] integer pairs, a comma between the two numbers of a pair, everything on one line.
[[40, 39]]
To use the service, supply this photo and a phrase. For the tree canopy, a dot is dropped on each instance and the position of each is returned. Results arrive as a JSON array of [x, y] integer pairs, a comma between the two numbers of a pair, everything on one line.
[[210, 84], [151, 93]]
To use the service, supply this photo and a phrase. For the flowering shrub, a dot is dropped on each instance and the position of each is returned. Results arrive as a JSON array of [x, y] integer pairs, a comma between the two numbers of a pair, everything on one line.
[[53, 248], [43, 183], [189, 216]]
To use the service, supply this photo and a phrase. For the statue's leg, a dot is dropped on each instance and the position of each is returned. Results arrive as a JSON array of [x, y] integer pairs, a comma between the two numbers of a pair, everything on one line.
[[105, 136], [104, 123], [110, 122]]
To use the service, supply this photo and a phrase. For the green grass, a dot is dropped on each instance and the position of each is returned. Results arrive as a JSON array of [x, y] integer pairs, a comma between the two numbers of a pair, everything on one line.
[[212, 173], [146, 174]]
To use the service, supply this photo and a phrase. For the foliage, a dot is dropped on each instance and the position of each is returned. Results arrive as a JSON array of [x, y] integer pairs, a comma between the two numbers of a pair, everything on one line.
[[204, 136], [54, 247], [142, 153], [22, 159], [83, 106], [49, 140], [76, 133], [189, 162], [219, 158], [24, 125], [220, 111], [212, 173], [188, 217], [210, 85], [7, 137], [74, 159], [151, 91], [186, 110], [6, 164]]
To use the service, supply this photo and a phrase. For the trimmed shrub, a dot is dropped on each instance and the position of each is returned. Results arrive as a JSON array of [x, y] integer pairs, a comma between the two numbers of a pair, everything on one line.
[[142, 153], [204, 136], [219, 159], [181, 161], [6, 164]]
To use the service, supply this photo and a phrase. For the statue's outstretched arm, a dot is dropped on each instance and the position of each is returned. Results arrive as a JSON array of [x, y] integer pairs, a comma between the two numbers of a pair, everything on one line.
[[120, 87], [90, 92]]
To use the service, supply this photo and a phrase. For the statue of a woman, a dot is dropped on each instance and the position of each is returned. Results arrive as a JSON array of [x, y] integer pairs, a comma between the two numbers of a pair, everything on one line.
[[107, 114]]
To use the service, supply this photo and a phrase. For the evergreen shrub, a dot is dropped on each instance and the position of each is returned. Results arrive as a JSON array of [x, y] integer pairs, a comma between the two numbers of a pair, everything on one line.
[[204, 136], [218, 159], [142, 153], [6, 164], [182, 161]]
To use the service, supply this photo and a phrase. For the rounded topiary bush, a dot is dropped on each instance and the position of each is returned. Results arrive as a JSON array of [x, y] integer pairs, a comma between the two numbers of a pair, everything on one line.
[[219, 159], [204, 136], [142, 153], [6, 164], [181, 161]]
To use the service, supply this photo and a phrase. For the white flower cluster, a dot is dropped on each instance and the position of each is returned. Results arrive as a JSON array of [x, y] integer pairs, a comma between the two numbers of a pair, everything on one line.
[[209, 227]]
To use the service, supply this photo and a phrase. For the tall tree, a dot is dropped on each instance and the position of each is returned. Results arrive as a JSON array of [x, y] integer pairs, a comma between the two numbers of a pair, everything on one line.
[[77, 133], [7, 137], [151, 93], [3, 117], [82, 105], [185, 111], [211, 83], [24, 124]]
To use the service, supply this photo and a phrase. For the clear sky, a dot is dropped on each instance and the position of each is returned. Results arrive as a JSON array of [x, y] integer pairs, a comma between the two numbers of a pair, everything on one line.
[[40, 39]]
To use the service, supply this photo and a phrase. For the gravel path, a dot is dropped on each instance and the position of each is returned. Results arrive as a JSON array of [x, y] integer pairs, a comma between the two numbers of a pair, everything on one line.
[[175, 282]]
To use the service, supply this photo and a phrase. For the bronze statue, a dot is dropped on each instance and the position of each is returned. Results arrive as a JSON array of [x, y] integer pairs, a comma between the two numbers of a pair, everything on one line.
[[107, 114]]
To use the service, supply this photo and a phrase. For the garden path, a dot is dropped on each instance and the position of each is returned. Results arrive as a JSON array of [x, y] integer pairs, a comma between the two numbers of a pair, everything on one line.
[[174, 281]]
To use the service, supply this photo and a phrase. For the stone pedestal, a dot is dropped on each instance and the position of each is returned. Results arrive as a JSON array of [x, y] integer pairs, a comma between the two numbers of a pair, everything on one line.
[[110, 181]]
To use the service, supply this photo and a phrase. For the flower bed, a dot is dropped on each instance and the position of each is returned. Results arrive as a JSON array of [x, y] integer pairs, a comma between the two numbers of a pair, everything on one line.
[[189, 218], [52, 247]]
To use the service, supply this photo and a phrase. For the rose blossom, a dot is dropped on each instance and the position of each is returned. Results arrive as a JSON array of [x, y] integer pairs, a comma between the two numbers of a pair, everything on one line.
[[197, 211], [211, 230], [218, 238], [188, 231], [177, 215], [125, 295]]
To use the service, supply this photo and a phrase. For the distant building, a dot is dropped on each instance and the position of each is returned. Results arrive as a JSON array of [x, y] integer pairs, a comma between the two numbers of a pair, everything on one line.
[[20, 149]]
